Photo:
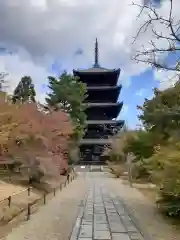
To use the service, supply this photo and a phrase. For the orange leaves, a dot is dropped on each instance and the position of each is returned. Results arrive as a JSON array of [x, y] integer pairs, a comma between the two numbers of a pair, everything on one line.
[[26, 130], [7, 123]]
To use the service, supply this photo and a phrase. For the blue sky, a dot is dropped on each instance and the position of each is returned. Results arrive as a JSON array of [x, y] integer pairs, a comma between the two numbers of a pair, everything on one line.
[[141, 87]]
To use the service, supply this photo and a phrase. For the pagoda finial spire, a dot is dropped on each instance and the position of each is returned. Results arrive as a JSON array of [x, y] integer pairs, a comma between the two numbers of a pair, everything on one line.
[[96, 60]]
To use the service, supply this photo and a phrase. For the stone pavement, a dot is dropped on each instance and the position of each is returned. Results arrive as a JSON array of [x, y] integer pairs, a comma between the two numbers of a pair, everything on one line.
[[103, 217]]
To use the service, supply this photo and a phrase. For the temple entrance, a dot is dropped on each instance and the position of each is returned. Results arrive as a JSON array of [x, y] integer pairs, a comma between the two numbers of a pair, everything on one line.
[[90, 168]]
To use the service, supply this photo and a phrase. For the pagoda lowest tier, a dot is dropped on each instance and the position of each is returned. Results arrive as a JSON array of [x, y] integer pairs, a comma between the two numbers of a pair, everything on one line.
[[102, 110]]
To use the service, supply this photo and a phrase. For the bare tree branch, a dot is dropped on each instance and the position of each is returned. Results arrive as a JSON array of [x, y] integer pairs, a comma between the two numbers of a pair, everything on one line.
[[152, 55]]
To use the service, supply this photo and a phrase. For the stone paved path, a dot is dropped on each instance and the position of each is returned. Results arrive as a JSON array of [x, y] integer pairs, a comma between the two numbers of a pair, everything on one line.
[[103, 217], [85, 210]]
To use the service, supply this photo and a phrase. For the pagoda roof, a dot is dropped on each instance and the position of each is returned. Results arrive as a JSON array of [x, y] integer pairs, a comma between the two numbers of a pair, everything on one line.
[[111, 109], [96, 70], [102, 93], [102, 104], [103, 122], [103, 87]]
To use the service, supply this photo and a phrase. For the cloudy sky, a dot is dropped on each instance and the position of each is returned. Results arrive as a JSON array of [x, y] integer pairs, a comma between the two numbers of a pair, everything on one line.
[[44, 37]]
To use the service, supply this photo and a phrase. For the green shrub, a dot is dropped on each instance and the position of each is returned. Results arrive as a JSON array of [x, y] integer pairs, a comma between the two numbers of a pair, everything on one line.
[[166, 173], [141, 170], [117, 157], [116, 169]]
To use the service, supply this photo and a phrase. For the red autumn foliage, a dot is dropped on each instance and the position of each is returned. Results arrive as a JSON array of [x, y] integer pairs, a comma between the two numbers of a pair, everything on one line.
[[34, 136]]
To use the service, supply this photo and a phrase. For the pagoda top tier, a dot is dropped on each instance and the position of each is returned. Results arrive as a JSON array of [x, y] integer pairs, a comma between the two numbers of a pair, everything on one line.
[[97, 70]]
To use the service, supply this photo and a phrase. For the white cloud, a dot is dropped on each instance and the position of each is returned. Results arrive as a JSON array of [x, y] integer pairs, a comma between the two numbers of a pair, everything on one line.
[[166, 78], [141, 92], [18, 68], [124, 111], [44, 30]]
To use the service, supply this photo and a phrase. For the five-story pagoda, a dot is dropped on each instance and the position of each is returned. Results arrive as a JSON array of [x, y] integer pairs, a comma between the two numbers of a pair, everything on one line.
[[102, 110]]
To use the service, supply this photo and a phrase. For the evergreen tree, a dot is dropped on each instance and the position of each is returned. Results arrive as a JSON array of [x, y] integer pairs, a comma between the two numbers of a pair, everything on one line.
[[68, 93], [24, 91], [161, 114]]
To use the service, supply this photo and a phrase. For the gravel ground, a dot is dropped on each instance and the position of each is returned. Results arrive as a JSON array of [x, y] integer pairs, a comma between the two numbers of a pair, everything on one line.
[[54, 221]]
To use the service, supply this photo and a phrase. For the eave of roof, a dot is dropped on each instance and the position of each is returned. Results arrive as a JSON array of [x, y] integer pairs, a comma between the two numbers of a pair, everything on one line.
[[96, 70]]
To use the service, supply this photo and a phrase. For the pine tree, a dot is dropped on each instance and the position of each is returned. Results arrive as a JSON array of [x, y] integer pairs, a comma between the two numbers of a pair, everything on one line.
[[24, 91], [68, 94]]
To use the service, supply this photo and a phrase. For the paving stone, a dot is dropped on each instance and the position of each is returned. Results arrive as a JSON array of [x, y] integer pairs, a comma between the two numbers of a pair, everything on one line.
[[125, 217], [117, 228], [132, 228], [100, 219], [76, 229], [99, 212], [78, 222], [102, 235], [86, 222], [86, 231], [121, 211], [120, 236], [116, 201], [114, 218], [112, 211], [81, 212], [136, 236], [101, 227], [74, 234], [84, 239], [88, 217]]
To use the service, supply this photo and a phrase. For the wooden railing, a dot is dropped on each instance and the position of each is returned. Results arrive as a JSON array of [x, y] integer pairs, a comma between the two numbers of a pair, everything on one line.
[[28, 209]]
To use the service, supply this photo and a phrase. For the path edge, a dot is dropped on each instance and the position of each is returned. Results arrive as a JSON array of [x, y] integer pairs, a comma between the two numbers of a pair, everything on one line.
[[135, 220]]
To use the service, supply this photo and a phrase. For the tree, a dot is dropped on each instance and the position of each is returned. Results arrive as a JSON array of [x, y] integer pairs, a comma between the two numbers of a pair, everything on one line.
[[7, 123], [167, 32], [68, 93], [165, 165], [38, 140], [141, 144], [161, 114], [24, 91], [138, 145]]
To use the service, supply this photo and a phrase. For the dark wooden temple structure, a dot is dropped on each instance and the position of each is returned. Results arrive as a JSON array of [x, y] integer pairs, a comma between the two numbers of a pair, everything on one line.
[[102, 110]]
